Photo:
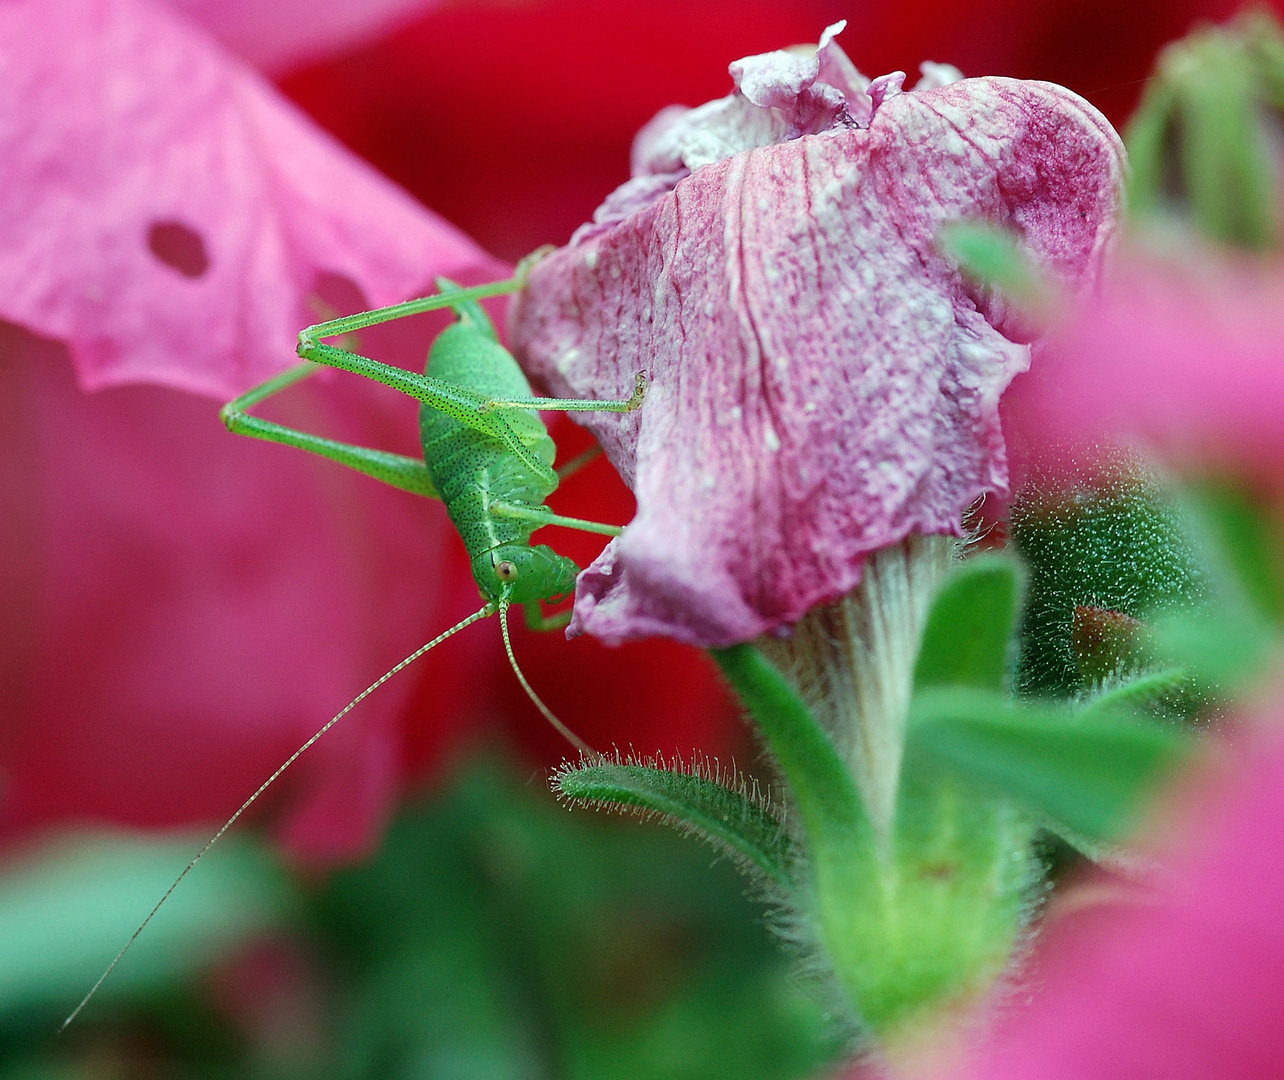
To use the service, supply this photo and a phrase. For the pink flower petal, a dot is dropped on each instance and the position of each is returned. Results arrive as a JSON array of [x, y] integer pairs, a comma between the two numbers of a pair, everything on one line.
[[1186, 353], [276, 34], [790, 84], [1187, 986], [779, 96], [822, 381], [168, 215]]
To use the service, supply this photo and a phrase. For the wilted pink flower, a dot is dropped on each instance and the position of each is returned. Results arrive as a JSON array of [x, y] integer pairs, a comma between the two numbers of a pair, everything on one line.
[[183, 607], [823, 382], [1184, 352]]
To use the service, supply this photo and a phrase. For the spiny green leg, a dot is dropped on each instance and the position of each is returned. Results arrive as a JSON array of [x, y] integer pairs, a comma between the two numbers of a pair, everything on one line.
[[459, 403], [400, 471], [475, 410], [546, 517], [575, 404], [536, 619], [350, 323], [468, 407]]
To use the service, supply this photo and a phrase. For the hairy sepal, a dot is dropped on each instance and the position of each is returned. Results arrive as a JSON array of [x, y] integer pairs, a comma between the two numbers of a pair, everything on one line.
[[724, 810]]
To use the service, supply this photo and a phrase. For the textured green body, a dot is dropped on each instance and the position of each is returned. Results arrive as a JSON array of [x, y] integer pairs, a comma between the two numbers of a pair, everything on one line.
[[487, 455], [470, 470], [473, 471]]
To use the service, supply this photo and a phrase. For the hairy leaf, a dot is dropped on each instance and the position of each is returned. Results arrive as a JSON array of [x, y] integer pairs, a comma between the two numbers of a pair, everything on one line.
[[969, 628], [733, 818]]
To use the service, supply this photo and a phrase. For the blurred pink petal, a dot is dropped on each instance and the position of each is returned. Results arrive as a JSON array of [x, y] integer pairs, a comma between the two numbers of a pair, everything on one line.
[[184, 607], [823, 383], [1186, 986], [1186, 353], [277, 34], [168, 215]]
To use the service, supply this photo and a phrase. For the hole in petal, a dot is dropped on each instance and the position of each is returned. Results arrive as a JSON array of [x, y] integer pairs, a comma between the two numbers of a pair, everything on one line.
[[335, 294], [178, 246]]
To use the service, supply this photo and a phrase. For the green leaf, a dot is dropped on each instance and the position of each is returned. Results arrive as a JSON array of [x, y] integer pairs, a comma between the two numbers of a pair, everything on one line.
[[731, 818], [1224, 647], [1264, 44], [832, 811], [1247, 542], [841, 845], [1225, 156], [1137, 694], [1198, 143], [1146, 137], [1090, 774], [67, 910], [995, 258], [969, 628], [1230, 639]]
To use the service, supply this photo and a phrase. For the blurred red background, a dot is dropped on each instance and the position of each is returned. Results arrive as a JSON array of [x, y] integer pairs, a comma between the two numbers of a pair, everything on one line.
[[513, 119]]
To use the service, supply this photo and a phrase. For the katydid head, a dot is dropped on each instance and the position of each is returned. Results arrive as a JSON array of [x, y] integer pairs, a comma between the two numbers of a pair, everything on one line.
[[520, 574]]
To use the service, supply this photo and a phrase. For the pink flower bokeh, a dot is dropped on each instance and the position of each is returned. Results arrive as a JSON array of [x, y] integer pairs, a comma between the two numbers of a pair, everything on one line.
[[275, 36], [1185, 981], [1183, 351], [185, 608]]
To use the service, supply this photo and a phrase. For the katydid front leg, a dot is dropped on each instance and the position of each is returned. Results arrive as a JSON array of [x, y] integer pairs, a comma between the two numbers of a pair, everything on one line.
[[476, 411]]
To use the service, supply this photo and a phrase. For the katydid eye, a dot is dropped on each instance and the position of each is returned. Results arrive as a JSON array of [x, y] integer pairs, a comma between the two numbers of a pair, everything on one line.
[[506, 571]]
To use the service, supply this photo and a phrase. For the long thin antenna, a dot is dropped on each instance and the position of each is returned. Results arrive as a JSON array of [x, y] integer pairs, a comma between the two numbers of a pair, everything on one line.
[[565, 732], [483, 613]]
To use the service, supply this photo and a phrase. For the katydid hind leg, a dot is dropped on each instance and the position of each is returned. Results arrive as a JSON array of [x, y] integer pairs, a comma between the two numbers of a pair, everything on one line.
[[458, 402], [443, 298], [348, 324], [542, 624], [407, 473], [547, 404]]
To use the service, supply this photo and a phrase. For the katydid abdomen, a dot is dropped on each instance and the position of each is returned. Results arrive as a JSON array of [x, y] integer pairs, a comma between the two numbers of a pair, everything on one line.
[[478, 478]]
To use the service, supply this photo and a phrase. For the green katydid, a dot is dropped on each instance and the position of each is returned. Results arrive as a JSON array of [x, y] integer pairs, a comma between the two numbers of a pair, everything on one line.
[[487, 456], [486, 453]]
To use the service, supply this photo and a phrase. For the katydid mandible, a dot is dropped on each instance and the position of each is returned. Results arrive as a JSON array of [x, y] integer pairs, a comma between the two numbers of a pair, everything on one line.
[[486, 455]]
